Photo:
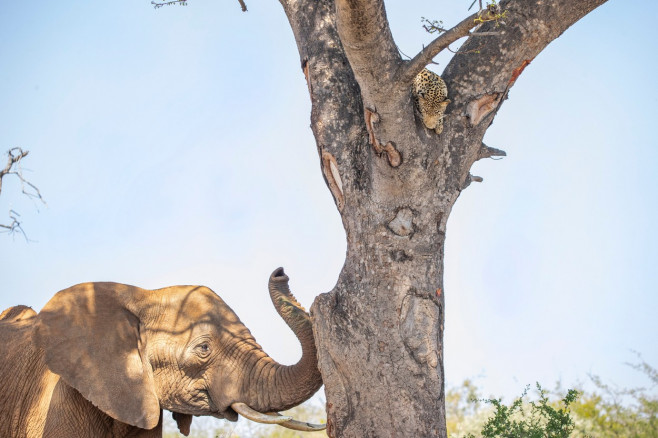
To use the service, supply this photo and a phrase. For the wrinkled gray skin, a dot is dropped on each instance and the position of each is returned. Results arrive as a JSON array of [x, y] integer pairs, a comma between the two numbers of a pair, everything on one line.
[[104, 359]]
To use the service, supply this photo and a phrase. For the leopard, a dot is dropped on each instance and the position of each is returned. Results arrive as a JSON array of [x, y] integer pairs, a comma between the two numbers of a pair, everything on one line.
[[431, 99]]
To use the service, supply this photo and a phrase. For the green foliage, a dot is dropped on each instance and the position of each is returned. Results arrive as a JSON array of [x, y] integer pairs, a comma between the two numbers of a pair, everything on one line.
[[432, 26], [612, 412], [606, 412], [535, 419], [464, 412]]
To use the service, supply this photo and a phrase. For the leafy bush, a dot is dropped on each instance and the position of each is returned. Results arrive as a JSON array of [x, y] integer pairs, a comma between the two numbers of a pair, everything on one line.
[[535, 419], [612, 412], [606, 412]]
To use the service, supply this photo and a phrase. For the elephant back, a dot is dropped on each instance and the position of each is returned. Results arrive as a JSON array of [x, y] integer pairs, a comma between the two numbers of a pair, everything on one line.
[[25, 382], [17, 314]]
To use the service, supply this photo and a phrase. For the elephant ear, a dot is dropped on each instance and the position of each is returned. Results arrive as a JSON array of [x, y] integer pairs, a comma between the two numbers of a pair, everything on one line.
[[92, 341]]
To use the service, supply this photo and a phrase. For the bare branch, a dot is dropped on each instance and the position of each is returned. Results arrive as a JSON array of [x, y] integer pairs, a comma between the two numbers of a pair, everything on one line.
[[472, 4], [14, 156], [15, 225], [13, 167], [157, 5], [409, 71]]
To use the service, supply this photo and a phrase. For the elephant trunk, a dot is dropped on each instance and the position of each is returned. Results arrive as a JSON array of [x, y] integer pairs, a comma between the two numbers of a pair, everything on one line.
[[281, 387]]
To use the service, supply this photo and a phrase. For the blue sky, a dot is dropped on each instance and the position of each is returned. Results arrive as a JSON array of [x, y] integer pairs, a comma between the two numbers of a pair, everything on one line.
[[173, 147]]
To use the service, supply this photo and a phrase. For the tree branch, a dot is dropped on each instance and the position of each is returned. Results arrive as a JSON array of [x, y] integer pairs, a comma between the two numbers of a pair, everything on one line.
[[160, 4], [410, 69], [14, 226], [337, 117], [366, 37], [14, 156], [157, 5], [491, 13], [11, 161], [530, 26], [480, 76], [13, 167]]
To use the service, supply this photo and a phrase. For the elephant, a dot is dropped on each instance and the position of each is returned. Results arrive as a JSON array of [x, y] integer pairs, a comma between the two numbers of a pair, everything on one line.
[[105, 359]]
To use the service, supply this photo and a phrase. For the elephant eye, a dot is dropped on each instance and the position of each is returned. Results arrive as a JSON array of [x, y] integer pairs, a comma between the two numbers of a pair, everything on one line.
[[203, 349]]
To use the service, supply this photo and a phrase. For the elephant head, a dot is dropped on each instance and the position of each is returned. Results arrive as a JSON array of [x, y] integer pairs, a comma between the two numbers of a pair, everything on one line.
[[133, 352]]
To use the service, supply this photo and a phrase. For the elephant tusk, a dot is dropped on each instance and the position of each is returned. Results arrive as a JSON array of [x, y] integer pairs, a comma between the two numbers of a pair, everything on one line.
[[256, 416], [299, 425]]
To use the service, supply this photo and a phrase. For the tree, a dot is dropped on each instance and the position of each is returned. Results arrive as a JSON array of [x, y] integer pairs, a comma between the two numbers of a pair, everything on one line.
[[380, 330]]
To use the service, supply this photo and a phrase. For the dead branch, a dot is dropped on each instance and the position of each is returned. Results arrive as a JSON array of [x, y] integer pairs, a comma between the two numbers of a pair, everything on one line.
[[157, 5], [14, 226], [14, 156], [13, 167]]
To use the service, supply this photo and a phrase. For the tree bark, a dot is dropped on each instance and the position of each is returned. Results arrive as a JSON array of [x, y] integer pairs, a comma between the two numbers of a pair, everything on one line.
[[379, 332]]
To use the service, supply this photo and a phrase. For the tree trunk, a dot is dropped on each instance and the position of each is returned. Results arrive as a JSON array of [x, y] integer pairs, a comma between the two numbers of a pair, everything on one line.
[[379, 332]]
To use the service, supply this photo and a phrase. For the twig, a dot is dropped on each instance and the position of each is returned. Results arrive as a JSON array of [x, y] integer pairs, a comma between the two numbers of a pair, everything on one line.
[[13, 167], [157, 5], [492, 12], [469, 8], [11, 160], [432, 26], [402, 53], [412, 68], [14, 226], [459, 51]]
